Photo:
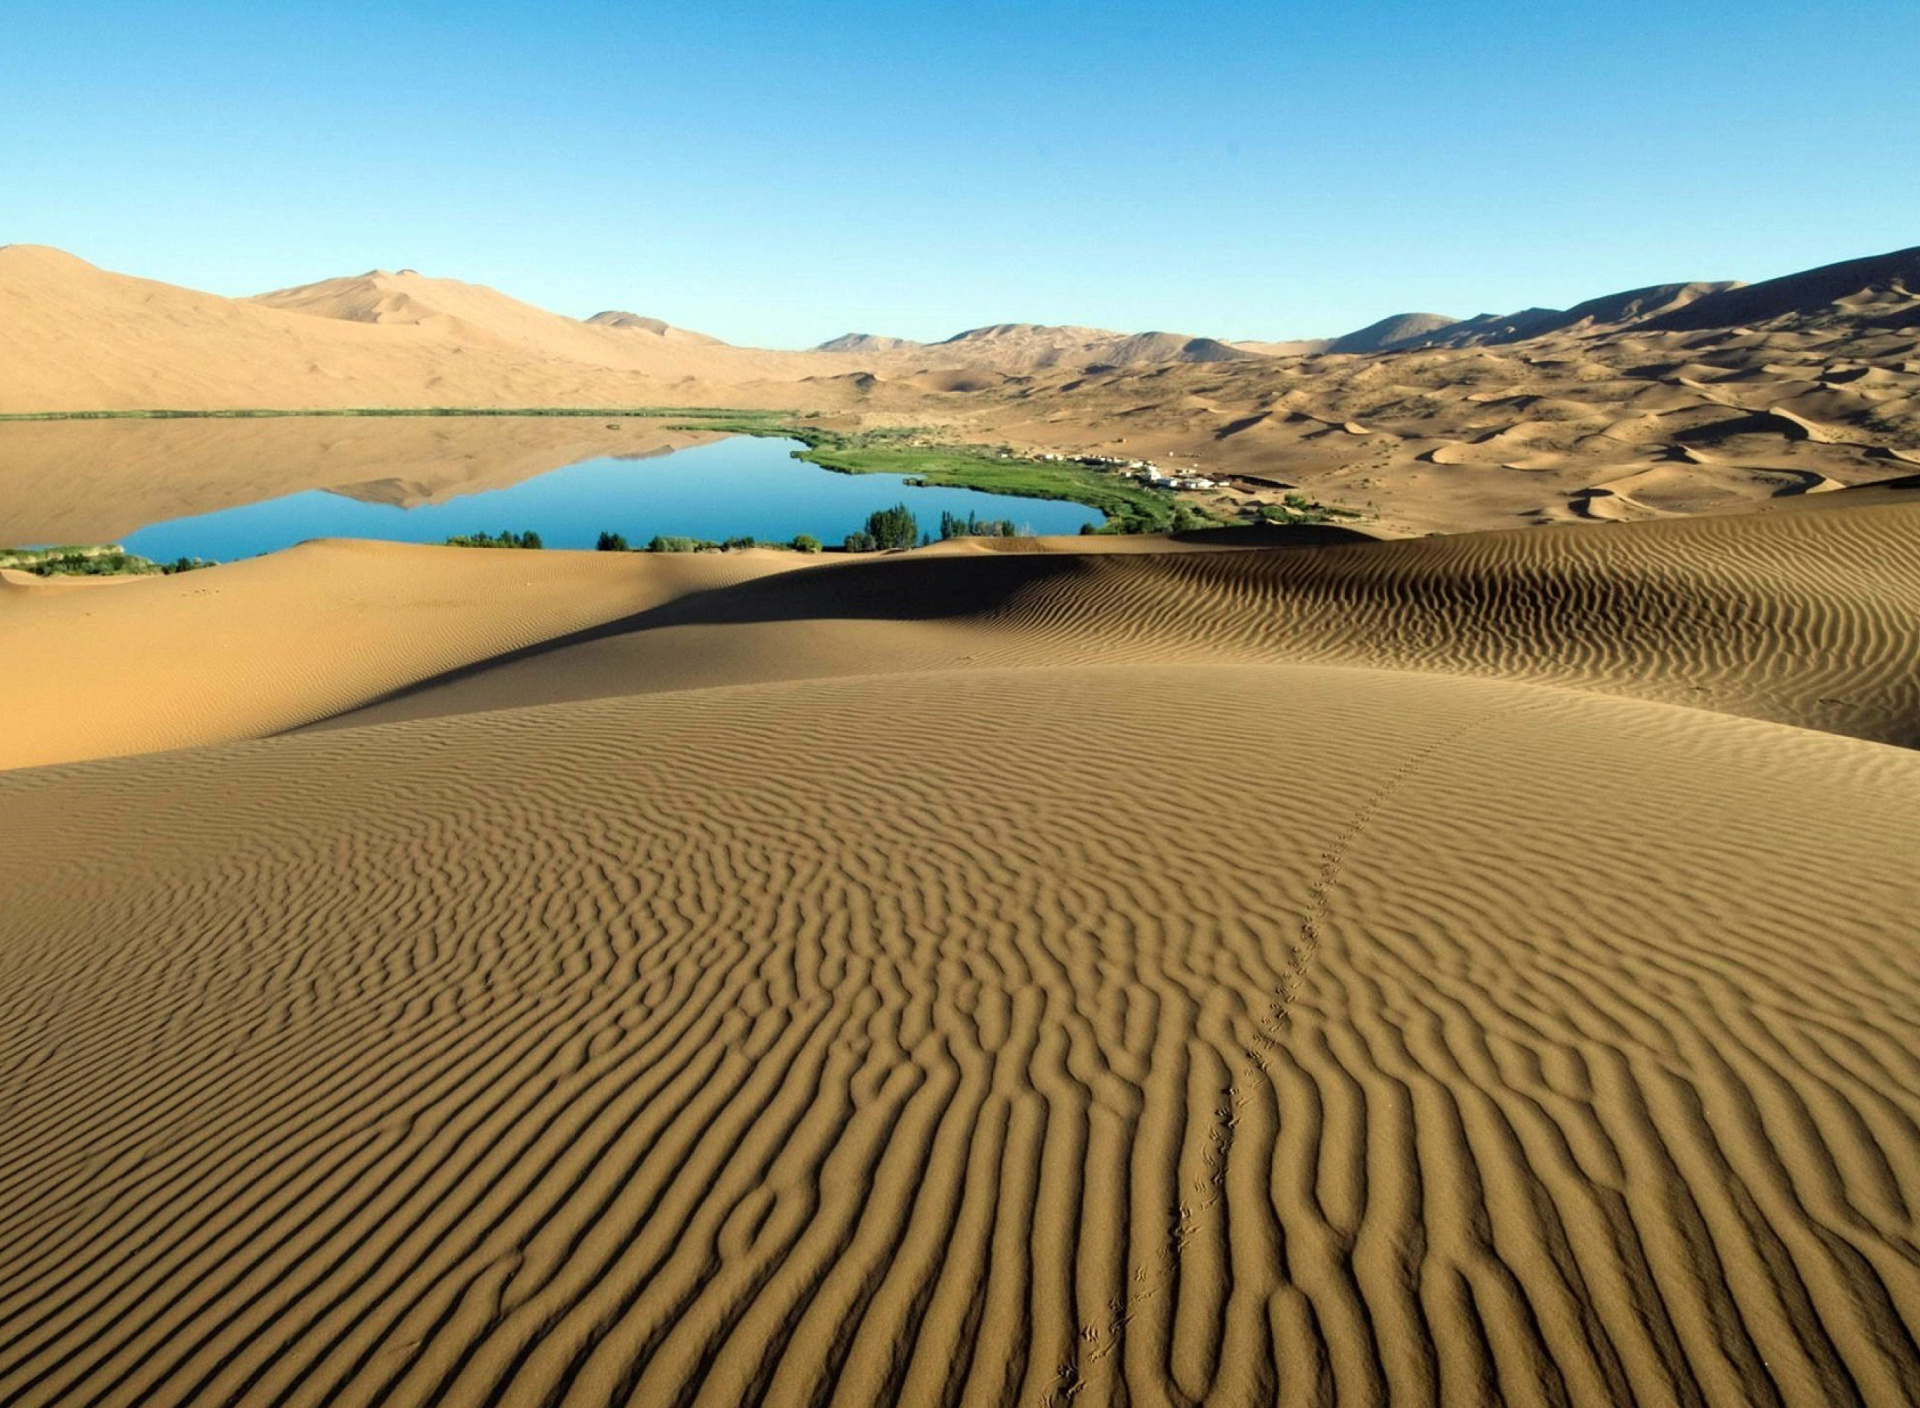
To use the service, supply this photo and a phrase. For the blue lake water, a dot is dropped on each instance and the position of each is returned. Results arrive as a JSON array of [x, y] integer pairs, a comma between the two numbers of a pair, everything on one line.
[[739, 487]]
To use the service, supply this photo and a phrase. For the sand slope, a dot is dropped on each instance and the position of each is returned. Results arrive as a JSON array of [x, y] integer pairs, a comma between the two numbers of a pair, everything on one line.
[[1414, 1039], [105, 667], [1810, 618], [77, 338]]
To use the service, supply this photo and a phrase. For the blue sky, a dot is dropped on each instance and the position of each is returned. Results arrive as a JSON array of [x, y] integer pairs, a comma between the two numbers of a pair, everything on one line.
[[780, 173]]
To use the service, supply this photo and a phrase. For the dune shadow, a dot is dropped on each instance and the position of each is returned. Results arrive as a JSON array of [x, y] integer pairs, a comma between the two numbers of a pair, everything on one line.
[[906, 587]]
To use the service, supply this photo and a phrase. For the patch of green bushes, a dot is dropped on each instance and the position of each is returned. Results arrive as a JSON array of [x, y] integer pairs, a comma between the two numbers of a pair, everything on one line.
[[507, 539]]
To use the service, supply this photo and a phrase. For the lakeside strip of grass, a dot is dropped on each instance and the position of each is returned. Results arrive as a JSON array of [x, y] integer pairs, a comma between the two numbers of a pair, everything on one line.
[[1128, 506]]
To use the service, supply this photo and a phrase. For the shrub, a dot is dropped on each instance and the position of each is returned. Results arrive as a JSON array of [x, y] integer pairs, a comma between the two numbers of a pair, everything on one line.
[[805, 542], [732, 543], [611, 542], [662, 543], [862, 541], [507, 539]]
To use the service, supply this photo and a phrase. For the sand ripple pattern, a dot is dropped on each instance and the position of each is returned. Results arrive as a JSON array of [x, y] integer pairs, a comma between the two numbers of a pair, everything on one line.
[[970, 1038]]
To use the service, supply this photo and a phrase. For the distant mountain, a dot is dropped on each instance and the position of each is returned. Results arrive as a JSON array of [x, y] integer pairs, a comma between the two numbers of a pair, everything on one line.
[[1145, 348], [867, 342], [1608, 311], [634, 322], [1016, 348], [1391, 332], [1298, 347], [1880, 287], [1635, 306]]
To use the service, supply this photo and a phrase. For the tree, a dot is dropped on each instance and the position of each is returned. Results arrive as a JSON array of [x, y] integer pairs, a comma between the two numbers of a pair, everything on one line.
[[805, 542], [894, 527], [611, 542]]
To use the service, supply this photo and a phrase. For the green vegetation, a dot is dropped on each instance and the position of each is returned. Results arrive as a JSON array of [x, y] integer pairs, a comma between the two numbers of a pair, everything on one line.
[[1298, 508], [1128, 505], [80, 561], [952, 525], [805, 542], [886, 528], [612, 542], [507, 539], [663, 543]]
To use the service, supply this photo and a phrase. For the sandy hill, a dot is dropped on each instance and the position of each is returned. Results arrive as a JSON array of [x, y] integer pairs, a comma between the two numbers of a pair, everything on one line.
[[1017, 348], [868, 342], [1882, 288], [1390, 332], [74, 337], [635, 322], [474, 314], [1609, 311], [1298, 347], [1327, 974]]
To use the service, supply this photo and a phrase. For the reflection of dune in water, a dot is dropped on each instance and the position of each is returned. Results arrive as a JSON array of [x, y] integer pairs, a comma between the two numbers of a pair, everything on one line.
[[98, 481]]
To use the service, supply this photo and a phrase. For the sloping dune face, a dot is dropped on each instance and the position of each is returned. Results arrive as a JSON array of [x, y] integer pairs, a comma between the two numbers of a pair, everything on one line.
[[1810, 618], [970, 1037]]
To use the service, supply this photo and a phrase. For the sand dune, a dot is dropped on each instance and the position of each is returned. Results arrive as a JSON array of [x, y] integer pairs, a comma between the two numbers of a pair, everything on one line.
[[1405, 1038], [252, 647], [77, 338], [1808, 618]]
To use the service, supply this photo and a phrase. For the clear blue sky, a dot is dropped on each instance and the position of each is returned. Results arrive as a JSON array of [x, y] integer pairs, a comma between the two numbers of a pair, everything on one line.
[[780, 173]]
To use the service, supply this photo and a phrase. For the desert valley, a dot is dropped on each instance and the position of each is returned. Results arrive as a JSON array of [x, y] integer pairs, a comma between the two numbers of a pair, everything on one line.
[[1414, 901]]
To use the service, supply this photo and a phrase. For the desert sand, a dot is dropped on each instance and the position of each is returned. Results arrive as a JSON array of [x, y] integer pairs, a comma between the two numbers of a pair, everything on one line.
[[1472, 969]]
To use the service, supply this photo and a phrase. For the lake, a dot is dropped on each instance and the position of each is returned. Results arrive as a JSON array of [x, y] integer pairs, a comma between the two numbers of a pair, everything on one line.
[[737, 487]]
